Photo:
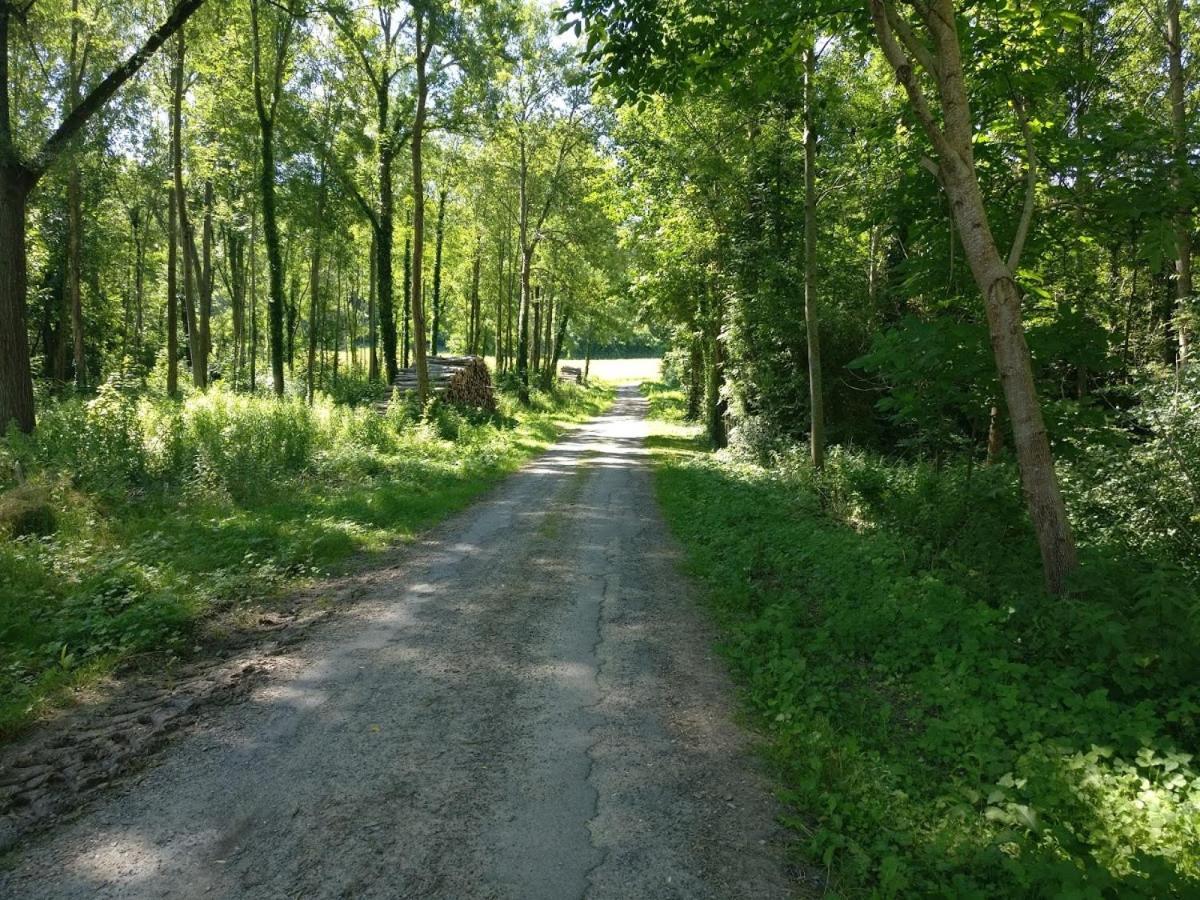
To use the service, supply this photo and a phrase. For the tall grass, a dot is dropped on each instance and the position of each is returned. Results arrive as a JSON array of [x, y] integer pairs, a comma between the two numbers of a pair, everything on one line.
[[137, 517]]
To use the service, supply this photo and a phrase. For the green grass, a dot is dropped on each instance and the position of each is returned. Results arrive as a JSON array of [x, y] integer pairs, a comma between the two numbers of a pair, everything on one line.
[[166, 515], [940, 726]]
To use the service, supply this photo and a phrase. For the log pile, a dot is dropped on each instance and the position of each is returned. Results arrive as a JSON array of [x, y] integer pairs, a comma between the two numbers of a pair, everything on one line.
[[571, 374], [461, 380]]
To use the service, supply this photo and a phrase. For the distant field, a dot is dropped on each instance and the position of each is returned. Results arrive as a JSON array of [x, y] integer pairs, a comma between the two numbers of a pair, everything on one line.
[[620, 371]]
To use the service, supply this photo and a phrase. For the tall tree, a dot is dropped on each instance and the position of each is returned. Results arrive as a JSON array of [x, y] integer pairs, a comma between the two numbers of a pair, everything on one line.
[[438, 243], [268, 81], [18, 176], [1180, 180], [931, 45]]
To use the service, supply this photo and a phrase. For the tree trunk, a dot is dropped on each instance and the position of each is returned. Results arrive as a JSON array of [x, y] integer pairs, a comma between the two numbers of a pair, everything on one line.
[[695, 397], [383, 253], [535, 350], [437, 271], [314, 301], [275, 298], [559, 337], [501, 250], [476, 345], [509, 314], [418, 189], [952, 140], [194, 354], [715, 404], [314, 285], [16, 379], [172, 296], [811, 317], [235, 255], [523, 325], [74, 273], [204, 312], [372, 328], [1180, 152], [139, 283], [253, 301], [408, 295], [995, 439], [75, 214]]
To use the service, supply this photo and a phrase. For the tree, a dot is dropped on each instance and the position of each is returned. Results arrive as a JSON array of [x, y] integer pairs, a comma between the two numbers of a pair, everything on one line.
[[18, 176], [544, 115], [938, 56], [1180, 181], [268, 91]]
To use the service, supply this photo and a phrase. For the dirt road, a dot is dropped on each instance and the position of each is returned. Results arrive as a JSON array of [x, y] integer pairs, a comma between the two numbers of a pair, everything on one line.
[[528, 707]]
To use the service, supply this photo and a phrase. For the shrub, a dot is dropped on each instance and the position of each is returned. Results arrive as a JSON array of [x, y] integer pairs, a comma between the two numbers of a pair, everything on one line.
[[943, 727]]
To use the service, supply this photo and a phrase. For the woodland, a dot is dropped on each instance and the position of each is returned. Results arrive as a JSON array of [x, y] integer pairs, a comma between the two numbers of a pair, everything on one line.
[[928, 420]]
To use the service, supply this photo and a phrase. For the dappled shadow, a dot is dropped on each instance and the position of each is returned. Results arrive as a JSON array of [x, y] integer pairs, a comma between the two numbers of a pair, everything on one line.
[[394, 754]]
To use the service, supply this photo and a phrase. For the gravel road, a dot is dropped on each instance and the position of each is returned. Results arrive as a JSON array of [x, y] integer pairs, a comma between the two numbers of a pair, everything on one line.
[[526, 706]]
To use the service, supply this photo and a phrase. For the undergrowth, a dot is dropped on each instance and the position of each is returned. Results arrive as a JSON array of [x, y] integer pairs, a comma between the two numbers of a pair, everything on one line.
[[136, 518], [942, 726]]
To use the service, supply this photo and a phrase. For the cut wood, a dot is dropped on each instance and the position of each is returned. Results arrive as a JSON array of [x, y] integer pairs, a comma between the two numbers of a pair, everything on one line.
[[572, 374], [461, 380]]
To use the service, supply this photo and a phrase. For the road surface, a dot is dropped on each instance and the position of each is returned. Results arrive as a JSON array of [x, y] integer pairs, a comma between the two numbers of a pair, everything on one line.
[[527, 706]]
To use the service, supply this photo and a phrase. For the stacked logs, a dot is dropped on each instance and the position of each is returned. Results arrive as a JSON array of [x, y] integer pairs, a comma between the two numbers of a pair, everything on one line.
[[461, 380]]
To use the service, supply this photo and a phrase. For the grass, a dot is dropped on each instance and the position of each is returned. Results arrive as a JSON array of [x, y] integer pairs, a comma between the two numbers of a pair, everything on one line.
[[165, 515], [619, 371], [939, 725]]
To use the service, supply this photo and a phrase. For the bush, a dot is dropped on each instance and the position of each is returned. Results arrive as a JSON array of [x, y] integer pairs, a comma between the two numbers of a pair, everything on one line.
[[943, 727]]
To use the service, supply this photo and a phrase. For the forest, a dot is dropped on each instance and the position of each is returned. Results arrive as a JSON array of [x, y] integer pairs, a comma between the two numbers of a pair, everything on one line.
[[927, 424]]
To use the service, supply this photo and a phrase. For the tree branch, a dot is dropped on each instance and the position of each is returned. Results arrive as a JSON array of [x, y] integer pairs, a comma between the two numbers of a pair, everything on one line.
[[103, 92], [1031, 179]]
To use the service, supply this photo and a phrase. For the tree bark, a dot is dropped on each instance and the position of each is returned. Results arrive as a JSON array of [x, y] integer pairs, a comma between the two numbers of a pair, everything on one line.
[[266, 108], [559, 337], [172, 296], [811, 315], [437, 270], [372, 327], [275, 298], [695, 395], [74, 273], [253, 300], [314, 286], [501, 250], [408, 295], [194, 352], [418, 188], [535, 349], [383, 248], [16, 379], [1180, 153], [476, 342], [523, 324]]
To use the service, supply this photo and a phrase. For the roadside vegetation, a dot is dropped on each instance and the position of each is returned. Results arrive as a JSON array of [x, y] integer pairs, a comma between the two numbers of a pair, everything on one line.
[[137, 517], [941, 725]]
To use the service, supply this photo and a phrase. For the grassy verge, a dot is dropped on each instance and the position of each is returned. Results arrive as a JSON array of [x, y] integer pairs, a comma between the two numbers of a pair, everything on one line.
[[942, 727], [139, 519]]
